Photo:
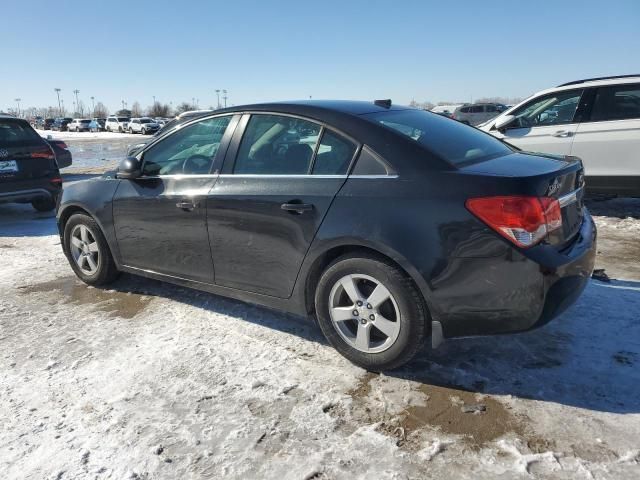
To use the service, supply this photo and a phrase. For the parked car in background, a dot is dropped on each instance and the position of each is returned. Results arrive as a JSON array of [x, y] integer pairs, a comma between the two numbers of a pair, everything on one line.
[[97, 125], [79, 125], [61, 152], [446, 110], [60, 124], [597, 120], [44, 123], [28, 169], [117, 124], [144, 125], [478, 112], [387, 223]]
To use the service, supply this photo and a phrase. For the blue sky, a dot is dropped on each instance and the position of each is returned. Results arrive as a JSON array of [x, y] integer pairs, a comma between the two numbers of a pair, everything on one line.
[[275, 50]]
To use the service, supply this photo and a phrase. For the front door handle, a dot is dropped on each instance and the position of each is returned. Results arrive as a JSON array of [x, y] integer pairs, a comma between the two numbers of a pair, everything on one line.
[[562, 134], [298, 208], [188, 205]]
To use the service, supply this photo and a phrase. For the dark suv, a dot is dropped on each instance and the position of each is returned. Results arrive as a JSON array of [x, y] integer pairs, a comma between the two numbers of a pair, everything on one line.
[[60, 124], [28, 169]]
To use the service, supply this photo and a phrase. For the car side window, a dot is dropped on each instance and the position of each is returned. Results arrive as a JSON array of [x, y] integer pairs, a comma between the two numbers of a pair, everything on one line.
[[476, 109], [277, 145], [334, 155], [188, 151], [620, 102], [491, 108], [554, 109]]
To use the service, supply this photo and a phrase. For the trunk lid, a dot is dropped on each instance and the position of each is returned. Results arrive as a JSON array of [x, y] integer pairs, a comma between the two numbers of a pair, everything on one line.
[[559, 177]]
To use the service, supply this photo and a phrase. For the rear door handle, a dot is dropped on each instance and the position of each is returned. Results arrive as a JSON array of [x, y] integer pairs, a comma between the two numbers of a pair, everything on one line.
[[187, 205], [562, 134], [298, 208]]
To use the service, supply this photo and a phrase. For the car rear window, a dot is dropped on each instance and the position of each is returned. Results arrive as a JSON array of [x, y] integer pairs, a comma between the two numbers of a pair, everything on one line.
[[85, 121], [452, 141], [17, 132]]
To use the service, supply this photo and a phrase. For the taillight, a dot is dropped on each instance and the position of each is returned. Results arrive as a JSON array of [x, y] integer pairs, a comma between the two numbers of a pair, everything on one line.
[[62, 145], [523, 220], [56, 180], [43, 154]]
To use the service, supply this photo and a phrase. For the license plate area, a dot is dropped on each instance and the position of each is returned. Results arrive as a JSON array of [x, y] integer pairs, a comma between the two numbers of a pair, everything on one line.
[[8, 166]]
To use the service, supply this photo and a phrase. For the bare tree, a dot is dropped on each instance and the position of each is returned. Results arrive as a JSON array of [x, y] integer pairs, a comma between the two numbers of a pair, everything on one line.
[[426, 105], [503, 100], [101, 111], [159, 110], [185, 107], [136, 109]]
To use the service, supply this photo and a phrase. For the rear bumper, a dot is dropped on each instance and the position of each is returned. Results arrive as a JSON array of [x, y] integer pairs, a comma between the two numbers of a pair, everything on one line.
[[25, 191], [518, 292]]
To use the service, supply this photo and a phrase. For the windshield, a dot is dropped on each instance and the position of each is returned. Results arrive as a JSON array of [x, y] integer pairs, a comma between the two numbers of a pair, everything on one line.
[[451, 140], [123, 119], [146, 120]]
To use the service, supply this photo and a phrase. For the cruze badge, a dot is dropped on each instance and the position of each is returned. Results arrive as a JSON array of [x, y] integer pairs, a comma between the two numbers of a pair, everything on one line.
[[4, 153], [554, 187]]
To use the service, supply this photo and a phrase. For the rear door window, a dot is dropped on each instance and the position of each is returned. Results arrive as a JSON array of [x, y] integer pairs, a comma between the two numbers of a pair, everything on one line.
[[334, 155], [277, 145], [620, 102]]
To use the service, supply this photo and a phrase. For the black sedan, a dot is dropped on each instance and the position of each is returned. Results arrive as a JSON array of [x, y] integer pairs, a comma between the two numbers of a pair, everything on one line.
[[387, 224]]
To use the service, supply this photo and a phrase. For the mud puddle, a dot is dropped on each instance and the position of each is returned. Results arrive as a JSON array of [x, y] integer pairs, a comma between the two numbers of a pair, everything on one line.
[[476, 418], [70, 290]]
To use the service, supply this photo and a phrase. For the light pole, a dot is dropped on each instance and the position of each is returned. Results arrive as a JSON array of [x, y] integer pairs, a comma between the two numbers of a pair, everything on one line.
[[57, 90], [18, 102], [218, 95], [224, 97], [124, 104], [93, 107], [76, 91]]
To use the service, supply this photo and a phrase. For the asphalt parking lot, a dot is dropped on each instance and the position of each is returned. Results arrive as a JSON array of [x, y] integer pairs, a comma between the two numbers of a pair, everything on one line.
[[147, 380]]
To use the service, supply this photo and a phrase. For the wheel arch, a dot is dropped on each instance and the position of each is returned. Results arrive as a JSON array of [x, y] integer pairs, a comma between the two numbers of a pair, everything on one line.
[[71, 209], [322, 261]]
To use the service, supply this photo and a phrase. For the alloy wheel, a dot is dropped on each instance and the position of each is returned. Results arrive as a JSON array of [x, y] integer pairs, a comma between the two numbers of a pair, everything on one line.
[[364, 313], [84, 249]]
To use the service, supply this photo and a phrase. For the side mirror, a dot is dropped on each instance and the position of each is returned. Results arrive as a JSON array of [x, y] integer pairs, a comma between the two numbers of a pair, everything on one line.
[[129, 168], [49, 137], [503, 122]]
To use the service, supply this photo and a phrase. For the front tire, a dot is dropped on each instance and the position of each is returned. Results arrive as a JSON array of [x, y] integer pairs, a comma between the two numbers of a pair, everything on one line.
[[88, 252], [370, 311]]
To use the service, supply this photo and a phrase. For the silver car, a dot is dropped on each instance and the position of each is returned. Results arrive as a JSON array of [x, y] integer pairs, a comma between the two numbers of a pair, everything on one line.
[[478, 113]]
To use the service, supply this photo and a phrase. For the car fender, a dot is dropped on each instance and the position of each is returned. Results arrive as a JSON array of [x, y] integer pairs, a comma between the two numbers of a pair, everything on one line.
[[95, 196]]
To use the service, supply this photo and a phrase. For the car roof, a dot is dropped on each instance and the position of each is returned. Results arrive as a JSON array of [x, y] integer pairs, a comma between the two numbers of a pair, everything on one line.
[[593, 82], [349, 107]]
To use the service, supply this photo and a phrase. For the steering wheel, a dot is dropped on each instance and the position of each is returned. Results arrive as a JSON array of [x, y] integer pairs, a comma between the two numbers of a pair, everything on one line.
[[192, 165]]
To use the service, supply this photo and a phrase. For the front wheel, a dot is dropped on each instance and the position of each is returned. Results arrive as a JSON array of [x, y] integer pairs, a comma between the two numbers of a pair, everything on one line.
[[371, 312], [88, 252]]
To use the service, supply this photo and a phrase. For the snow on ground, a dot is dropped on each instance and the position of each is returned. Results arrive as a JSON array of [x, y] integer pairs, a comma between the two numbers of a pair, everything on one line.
[[88, 135], [146, 380]]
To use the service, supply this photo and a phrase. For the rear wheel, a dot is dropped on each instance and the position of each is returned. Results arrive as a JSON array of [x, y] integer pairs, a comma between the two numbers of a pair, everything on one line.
[[371, 312], [44, 204], [88, 251]]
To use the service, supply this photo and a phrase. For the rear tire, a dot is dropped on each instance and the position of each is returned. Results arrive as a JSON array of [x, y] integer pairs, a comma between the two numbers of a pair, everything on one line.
[[43, 204], [388, 308], [88, 252]]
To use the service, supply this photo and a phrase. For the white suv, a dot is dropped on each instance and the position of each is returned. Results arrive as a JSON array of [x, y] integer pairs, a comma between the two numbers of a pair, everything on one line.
[[597, 120], [116, 124]]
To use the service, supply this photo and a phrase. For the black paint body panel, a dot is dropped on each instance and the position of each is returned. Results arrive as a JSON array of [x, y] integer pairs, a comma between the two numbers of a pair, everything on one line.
[[238, 242]]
